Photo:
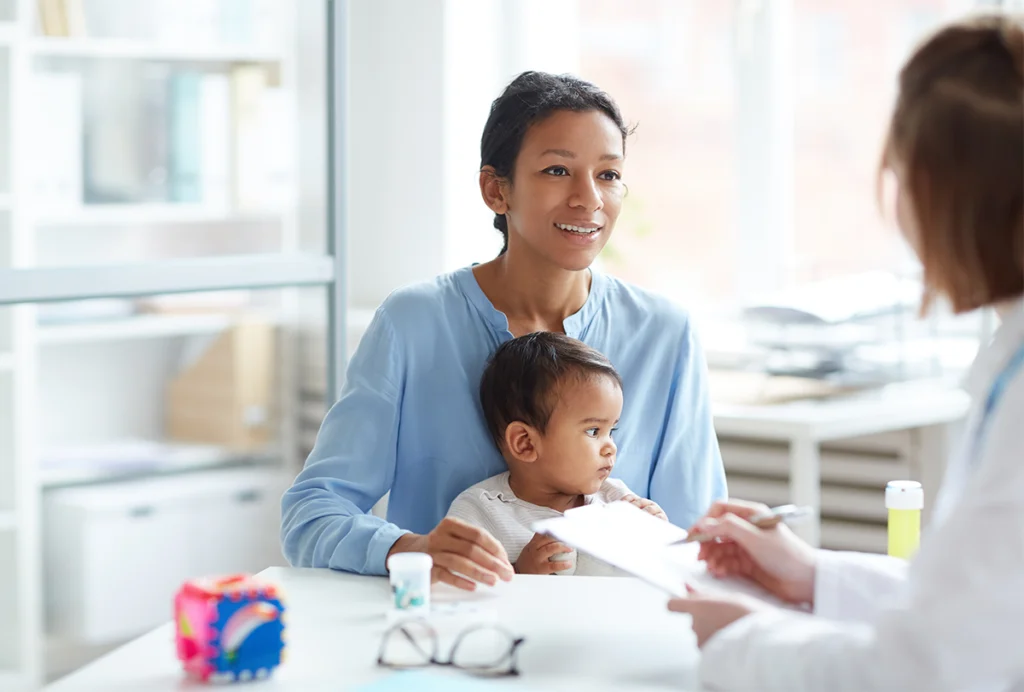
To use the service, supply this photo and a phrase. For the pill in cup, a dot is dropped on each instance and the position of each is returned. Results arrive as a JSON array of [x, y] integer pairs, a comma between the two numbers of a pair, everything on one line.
[[410, 582]]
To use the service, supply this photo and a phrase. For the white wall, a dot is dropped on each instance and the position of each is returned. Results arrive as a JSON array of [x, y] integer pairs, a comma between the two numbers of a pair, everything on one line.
[[422, 77], [486, 44], [395, 124], [311, 90], [474, 67]]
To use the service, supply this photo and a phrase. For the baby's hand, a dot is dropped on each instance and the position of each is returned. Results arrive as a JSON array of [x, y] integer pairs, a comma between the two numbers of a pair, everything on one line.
[[535, 558], [648, 506]]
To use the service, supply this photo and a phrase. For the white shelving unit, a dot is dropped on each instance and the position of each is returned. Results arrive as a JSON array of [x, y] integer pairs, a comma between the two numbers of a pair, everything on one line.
[[150, 214], [20, 589], [136, 327], [143, 50], [139, 348], [187, 461]]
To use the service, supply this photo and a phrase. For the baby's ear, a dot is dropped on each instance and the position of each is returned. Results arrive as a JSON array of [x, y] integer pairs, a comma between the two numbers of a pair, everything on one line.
[[521, 441]]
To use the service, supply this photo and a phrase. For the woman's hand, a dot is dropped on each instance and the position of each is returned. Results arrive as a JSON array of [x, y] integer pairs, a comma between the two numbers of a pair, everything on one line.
[[713, 613], [536, 556], [774, 558], [459, 550], [649, 506]]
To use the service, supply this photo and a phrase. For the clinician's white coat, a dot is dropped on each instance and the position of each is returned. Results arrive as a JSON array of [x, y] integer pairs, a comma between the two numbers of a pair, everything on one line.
[[955, 621]]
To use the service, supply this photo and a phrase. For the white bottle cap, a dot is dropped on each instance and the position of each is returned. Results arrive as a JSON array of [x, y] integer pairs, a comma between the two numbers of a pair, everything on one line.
[[904, 495], [410, 562]]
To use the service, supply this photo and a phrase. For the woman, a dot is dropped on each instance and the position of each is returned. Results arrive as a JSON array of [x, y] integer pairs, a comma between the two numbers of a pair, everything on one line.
[[956, 149], [409, 421]]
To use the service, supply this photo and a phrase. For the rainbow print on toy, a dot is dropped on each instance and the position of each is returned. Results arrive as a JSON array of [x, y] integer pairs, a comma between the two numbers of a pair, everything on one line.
[[229, 628]]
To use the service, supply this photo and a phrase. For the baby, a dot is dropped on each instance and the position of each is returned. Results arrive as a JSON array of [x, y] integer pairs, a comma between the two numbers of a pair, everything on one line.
[[551, 403]]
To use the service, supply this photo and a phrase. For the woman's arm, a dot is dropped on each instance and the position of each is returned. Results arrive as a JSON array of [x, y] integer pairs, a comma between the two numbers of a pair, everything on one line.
[[688, 474], [325, 520]]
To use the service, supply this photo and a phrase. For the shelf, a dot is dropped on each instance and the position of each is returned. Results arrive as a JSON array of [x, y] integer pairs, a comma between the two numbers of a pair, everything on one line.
[[147, 214], [8, 521], [183, 458], [136, 327], [143, 50]]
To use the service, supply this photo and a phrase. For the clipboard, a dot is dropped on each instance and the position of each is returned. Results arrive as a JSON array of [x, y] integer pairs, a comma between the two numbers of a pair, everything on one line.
[[646, 547]]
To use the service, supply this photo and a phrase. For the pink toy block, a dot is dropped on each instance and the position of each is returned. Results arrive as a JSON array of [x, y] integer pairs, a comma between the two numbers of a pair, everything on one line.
[[229, 628]]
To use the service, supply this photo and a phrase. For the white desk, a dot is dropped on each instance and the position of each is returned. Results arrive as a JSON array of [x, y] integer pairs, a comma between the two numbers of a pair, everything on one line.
[[582, 633], [927, 406]]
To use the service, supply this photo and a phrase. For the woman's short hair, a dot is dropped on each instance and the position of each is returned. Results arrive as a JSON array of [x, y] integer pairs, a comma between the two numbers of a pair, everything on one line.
[[957, 134]]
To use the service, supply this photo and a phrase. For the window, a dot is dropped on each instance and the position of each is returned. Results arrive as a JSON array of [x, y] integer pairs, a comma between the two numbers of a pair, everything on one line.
[[846, 58], [717, 127], [669, 66]]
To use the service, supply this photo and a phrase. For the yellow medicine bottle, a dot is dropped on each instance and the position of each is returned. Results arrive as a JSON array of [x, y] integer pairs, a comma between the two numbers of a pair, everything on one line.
[[904, 500]]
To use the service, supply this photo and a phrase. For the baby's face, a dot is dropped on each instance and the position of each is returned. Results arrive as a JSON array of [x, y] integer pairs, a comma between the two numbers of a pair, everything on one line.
[[577, 452]]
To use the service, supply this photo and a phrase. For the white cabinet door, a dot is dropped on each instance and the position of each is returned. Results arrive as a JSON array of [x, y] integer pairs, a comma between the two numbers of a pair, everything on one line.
[[116, 553]]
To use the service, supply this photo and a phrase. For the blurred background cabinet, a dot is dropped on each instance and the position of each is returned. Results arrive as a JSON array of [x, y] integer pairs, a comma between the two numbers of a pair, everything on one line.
[[108, 568], [147, 439]]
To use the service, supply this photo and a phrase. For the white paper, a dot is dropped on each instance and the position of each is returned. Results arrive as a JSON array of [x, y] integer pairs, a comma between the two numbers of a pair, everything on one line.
[[639, 543]]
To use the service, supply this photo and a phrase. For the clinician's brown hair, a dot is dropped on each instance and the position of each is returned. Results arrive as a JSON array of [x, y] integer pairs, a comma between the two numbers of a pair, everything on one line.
[[957, 135]]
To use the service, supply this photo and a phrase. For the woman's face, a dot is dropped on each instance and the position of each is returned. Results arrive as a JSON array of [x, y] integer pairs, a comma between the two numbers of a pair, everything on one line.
[[567, 189]]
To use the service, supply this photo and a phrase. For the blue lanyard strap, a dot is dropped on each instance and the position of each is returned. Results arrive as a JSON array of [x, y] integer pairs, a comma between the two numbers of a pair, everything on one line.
[[996, 393]]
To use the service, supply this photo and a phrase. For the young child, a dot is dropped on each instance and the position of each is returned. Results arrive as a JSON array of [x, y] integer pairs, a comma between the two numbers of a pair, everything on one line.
[[551, 403]]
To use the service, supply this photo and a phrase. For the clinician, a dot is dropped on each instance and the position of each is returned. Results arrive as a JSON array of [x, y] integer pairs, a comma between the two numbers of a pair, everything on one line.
[[955, 621]]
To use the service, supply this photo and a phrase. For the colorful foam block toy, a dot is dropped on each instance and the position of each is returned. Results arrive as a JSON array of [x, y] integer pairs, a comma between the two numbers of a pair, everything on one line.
[[229, 628]]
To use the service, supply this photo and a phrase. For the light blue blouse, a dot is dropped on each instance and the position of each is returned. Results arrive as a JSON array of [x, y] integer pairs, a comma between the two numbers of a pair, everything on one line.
[[409, 419]]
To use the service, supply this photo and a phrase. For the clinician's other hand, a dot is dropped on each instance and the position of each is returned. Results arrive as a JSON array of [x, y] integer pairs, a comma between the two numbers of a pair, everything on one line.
[[459, 550], [712, 613], [776, 558]]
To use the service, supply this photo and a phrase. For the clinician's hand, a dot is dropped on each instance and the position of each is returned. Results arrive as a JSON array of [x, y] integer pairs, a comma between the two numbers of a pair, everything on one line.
[[775, 558], [459, 550], [712, 613]]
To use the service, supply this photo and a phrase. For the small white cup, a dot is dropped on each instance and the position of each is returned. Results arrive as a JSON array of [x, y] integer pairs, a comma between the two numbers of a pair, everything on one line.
[[410, 582]]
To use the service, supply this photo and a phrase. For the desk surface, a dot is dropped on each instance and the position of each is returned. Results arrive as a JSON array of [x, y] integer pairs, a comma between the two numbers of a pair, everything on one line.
[[582, 633], [895, 407]]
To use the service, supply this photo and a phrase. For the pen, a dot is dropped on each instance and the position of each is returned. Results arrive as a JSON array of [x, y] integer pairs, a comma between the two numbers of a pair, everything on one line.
[[766, 520]]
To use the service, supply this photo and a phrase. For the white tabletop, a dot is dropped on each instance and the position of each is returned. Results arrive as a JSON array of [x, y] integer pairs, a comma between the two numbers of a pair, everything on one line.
[[582, 633], [895, 407]]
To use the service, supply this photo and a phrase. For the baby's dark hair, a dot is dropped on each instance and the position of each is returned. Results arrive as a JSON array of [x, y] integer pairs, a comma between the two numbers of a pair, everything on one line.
[[522, 378]]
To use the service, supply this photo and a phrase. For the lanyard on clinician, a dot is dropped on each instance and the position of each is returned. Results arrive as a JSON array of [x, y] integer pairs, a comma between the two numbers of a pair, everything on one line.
[[995, 394]]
